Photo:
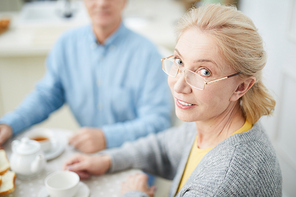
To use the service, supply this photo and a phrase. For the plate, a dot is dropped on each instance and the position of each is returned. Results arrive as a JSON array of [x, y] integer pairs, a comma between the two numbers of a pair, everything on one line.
[[59, 144], [83, 191]]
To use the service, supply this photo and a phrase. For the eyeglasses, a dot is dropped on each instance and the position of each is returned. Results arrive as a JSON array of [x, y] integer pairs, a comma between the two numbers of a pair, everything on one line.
[[170, 67]]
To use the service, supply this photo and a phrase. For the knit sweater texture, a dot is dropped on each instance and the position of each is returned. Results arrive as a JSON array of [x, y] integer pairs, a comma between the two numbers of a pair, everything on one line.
[[245, 164]]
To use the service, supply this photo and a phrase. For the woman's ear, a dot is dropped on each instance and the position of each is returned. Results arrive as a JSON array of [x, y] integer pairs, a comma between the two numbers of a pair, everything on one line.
[[242, 88]]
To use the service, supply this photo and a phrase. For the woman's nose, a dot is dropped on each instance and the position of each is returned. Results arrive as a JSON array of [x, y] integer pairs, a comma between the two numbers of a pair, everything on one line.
[[181, 85]]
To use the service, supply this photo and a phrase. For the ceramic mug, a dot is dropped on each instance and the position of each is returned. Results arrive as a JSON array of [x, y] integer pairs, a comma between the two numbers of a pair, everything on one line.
[[62, 183]]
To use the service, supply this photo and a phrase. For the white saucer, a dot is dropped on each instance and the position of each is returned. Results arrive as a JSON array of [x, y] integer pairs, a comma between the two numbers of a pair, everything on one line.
[[58, 148], [59, 144], [83, 191]]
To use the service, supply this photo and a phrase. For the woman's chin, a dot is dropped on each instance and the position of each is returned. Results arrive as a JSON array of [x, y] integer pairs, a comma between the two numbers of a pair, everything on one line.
[[185, 117]]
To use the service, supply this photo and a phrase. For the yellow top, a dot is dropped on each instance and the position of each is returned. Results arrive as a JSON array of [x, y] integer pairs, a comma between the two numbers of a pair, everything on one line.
[[197, 154]]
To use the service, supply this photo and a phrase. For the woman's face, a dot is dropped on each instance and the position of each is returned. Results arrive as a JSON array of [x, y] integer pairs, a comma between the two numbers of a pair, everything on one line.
[[198, 52]]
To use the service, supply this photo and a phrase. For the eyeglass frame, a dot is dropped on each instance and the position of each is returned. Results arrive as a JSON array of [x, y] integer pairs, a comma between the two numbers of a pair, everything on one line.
[[205, 82]]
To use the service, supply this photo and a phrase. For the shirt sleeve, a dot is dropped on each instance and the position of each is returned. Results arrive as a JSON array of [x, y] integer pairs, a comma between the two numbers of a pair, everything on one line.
[[158, 154], [46, 98], [154, 106]]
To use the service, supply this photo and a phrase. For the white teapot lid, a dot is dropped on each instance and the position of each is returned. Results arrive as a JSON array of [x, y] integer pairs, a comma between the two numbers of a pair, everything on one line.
[[26, 146]]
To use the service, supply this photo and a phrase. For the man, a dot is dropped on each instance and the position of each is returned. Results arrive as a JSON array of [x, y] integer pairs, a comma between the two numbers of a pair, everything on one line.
[[110, 78]]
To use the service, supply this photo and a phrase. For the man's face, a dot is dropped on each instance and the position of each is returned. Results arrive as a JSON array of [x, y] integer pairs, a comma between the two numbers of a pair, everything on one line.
[[105, 13]]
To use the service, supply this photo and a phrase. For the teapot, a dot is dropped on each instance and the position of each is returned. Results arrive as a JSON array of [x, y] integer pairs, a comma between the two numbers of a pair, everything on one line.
[[27, 158]]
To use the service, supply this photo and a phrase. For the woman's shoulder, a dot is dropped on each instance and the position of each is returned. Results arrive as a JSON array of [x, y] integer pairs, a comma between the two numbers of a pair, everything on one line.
[[179, 136], [249, 149], [245, 162], [254, 141]]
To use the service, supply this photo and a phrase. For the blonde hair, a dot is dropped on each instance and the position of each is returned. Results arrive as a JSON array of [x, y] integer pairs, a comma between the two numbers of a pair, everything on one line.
[[241, 46]]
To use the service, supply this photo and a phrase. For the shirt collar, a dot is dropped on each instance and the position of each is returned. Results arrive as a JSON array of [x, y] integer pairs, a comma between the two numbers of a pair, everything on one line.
[[112, 38]]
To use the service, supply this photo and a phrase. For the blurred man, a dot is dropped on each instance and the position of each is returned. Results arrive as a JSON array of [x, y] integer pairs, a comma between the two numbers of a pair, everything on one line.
[[110, 78]]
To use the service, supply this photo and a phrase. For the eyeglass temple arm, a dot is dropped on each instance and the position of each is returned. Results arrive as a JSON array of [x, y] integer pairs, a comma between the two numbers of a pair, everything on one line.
[[166, 57], [234, 74], [223, 78]]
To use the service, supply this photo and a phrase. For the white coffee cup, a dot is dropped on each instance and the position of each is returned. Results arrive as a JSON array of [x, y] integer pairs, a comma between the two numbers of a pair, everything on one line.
[[62, 183], [43, 136]]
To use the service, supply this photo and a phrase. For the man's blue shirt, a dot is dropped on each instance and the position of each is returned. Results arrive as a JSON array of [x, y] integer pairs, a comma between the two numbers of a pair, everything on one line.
[[118, 86]]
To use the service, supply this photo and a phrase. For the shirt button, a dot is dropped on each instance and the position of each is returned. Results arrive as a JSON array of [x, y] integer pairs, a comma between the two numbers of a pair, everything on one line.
[[112, 47]]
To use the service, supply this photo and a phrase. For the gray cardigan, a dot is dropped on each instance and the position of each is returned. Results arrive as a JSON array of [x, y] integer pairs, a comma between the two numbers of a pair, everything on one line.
[[244, 164]]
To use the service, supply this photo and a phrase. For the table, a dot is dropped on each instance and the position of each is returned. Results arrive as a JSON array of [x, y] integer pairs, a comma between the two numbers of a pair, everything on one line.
[[99, 186]]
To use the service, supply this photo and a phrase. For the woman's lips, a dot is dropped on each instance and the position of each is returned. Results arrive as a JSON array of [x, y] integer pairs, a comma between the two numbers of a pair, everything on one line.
[[183, 104]]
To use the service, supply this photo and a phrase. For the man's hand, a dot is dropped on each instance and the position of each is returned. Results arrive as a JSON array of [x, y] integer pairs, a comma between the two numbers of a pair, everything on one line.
[[85, 165], [137, 182], [5, 133], [88, 140]]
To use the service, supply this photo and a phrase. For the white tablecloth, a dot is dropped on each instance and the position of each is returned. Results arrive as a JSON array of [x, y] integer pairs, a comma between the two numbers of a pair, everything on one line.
[[100, 186]]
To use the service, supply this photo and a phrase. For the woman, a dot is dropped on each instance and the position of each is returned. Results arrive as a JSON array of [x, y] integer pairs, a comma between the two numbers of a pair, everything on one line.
[[215, 78]]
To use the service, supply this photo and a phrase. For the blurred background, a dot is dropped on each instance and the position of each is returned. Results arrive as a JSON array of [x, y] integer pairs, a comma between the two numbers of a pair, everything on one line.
[[28, 30]]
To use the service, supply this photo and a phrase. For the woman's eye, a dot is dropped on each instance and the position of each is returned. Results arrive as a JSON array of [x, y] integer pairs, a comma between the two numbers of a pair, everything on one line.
[[178, 61], [205, 72]]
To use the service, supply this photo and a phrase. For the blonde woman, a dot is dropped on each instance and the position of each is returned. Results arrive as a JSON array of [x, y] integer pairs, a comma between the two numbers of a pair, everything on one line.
[[215, 77]]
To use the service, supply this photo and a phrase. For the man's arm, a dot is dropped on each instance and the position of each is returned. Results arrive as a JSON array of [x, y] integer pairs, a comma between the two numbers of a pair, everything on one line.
[[46, 98]]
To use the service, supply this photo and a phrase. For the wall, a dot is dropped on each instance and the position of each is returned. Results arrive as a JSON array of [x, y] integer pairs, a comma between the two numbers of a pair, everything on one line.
[[18, 77], [11, 5], [274, 19]]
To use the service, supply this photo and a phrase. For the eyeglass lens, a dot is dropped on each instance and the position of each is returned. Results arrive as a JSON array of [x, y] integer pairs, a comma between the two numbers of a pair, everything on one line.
[[172, 69]]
